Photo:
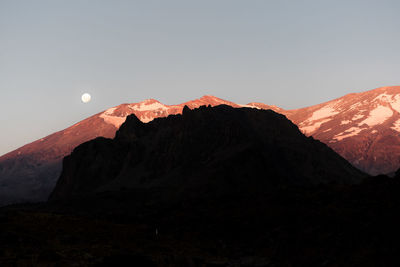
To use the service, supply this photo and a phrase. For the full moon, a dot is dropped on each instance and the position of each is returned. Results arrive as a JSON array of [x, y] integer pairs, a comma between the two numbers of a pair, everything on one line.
[[86, 98]]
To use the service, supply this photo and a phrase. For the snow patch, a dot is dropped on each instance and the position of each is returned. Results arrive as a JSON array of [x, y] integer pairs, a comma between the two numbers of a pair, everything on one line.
[[323, 113], [248, 106], [148, 107], [146, 119], [311, 128], [395, 103], [383, 97], [354, 106], [110, 111], [114, 120], [345, 122], [348, 133], [109, 118], [396, 125], [374, 131], [357, 117], [377, 116]]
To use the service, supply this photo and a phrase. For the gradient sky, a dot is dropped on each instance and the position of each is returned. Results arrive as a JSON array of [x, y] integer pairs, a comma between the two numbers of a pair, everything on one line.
[[287, 53]]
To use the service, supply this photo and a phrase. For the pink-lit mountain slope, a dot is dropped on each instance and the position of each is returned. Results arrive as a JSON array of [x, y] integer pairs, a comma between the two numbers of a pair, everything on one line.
[[363, 127]]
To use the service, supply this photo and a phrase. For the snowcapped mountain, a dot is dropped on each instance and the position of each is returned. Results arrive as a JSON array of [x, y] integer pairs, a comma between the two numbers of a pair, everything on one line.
[[150, 109], [362, 127]]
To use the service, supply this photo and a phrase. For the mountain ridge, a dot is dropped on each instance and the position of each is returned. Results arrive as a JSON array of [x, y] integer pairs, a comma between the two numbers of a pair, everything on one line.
[[218, 149], [33, 169]]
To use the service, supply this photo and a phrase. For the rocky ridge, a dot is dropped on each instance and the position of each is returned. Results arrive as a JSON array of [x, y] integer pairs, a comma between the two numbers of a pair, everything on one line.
[[208, 150], [362, 127]]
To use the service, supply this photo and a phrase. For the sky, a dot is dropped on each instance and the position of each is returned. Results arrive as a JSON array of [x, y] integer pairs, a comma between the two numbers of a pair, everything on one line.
[[286, 53]]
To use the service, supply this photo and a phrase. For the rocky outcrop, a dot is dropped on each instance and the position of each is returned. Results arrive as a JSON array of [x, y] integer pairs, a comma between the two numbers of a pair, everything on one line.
[[206, 151], [30, 173]]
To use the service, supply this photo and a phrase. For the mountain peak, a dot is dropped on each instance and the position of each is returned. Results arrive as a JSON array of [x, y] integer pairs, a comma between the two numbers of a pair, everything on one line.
[[210, 98], [150, 101], [148, 104]]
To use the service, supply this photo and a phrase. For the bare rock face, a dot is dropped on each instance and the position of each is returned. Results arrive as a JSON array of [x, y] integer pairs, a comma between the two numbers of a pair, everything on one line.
[[210, 150]]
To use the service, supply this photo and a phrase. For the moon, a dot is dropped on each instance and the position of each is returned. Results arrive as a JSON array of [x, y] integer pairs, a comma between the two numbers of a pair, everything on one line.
[[86, 98]]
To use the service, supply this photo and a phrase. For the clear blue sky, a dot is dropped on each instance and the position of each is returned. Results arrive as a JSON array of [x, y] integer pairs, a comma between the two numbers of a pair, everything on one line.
[[288, 53]]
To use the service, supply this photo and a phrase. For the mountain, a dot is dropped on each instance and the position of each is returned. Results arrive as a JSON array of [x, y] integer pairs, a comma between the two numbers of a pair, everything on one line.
[[215, 186], [362, 127], [29, 173], [205, 151]]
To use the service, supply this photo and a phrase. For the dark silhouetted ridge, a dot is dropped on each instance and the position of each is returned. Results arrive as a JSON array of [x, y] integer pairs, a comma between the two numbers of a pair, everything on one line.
[[209, 151]]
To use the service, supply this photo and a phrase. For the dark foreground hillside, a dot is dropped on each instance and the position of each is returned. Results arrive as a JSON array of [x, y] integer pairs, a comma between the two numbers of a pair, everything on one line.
[[212, 187], [327, 225]]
